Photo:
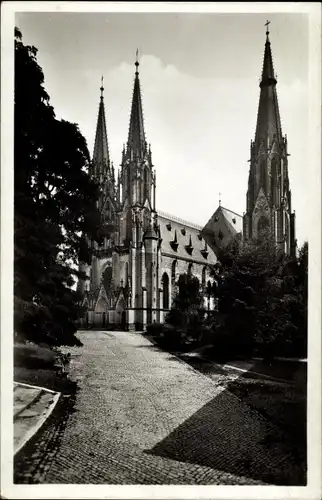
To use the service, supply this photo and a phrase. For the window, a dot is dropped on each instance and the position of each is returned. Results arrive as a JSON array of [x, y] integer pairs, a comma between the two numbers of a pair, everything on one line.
[[262, 225], [126, 273], [274, 181], [146, 218], [146, 183], [183, 231], [173, 271], [165, 288], [263, 175], [107, 278], [287, 231]]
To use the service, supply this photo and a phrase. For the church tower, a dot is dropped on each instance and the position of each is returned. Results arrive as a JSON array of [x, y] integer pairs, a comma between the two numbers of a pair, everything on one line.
[[102, 170], [136, 183], [102, 167], [139, 242], [268, 195]]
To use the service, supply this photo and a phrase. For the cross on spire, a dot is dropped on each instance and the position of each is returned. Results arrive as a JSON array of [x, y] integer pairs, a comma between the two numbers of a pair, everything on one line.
[[137, 61], [102, 85], [219, 198], [267, 25]]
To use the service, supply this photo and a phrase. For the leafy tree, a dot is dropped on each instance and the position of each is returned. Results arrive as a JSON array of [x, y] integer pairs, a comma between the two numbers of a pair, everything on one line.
[[55, 209], [262, 298], [187, 309]]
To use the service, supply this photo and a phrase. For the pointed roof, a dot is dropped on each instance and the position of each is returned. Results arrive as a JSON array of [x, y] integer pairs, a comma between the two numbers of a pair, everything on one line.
[[268, 117], [233, 221], [136, 139], [101, 152], [222, 228], [268, 75]]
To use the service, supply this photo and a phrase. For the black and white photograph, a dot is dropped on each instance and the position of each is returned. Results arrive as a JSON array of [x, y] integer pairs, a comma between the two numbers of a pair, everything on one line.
[[161, 250]]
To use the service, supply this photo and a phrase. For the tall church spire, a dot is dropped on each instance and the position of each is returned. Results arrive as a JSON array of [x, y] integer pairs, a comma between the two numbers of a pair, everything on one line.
[[136, 144], [101, 157], [268, 118], [268, 194], [137, 179]]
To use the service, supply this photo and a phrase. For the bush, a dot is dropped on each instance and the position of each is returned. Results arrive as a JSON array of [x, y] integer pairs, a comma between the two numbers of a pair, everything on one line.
[[154, 329], [207, 335], [172, 338], [262, 300], [33, 356]]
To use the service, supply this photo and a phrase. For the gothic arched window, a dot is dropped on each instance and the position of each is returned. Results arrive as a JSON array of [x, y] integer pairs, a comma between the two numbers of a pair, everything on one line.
[[126, 273], [129, 225], [262, 225], [107, 278], [287, 231], [146, 219], [173, 271], [190, 269], [273, 181], [263, 175], [165, 287], [146, 183]]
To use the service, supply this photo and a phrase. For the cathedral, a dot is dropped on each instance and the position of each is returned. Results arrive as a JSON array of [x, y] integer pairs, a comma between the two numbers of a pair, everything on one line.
[[132, 277]]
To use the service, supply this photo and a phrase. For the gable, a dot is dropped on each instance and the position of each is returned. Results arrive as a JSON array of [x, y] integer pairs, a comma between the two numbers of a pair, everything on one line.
[[222, 228], [261, 204]]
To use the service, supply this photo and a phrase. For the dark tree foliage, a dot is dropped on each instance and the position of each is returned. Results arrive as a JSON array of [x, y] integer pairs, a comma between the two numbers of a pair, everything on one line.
[[187, 309], [263, 298], [54, 209]]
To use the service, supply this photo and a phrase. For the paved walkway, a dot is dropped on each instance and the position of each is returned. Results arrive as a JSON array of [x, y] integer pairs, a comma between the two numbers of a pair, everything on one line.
[[141, 416]]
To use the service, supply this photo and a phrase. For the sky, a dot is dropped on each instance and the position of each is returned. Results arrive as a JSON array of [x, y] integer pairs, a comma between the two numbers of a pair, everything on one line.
[[199, 78]]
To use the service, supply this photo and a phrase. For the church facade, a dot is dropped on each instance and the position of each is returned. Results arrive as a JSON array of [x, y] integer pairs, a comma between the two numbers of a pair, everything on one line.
[[132, 277]]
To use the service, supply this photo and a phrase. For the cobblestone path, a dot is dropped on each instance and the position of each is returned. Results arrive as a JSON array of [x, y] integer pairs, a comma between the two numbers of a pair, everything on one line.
[[141, 416]]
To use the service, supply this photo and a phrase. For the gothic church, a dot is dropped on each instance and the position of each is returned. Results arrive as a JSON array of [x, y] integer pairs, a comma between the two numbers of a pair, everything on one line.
[[133, 275]]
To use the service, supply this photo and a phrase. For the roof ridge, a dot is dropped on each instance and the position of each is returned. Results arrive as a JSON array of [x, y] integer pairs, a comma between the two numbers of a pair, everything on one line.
[[232, 211], [174, 218]]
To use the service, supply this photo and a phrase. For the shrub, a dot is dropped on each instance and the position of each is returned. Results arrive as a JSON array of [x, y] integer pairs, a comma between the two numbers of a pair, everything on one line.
[[207, 335], [33, 356], [173, 338], [262, 298], [154, 329]]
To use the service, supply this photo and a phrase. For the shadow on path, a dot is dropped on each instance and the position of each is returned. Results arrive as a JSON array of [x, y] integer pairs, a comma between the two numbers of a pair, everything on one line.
[[227, 435]]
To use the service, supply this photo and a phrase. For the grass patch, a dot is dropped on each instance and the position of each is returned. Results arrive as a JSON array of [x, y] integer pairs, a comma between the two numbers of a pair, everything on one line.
[[282, 404], [41, 366]]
